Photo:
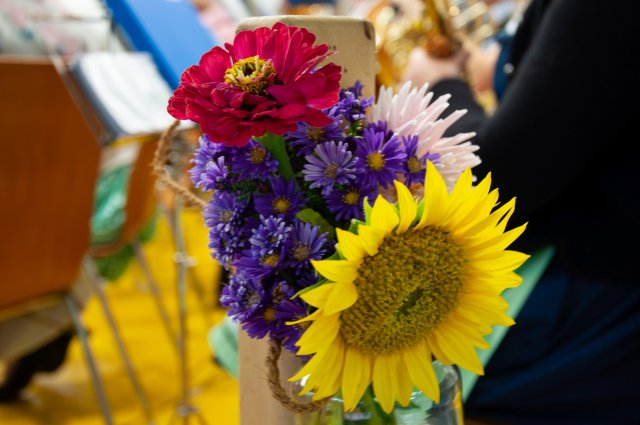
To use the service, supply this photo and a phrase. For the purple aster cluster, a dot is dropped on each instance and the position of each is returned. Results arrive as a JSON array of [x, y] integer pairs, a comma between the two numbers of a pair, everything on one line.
[[265, 217]]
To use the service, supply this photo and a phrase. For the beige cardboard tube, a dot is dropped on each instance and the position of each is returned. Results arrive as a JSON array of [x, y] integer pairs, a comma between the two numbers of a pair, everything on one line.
[[354, 41]]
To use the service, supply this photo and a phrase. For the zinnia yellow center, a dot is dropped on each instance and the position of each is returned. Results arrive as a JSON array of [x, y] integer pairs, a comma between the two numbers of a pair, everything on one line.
[[404, 291], [375, 161], [251, 74]]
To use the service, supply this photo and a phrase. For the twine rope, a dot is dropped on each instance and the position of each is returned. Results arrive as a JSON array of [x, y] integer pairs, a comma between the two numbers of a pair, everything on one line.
[[159, 161], [278, 392]]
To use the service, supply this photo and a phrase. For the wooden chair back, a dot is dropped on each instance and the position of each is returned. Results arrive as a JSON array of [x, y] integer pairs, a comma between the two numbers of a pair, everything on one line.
[[48, 169]]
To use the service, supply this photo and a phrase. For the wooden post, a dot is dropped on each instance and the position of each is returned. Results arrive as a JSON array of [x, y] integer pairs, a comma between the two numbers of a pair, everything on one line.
[[354, 41]]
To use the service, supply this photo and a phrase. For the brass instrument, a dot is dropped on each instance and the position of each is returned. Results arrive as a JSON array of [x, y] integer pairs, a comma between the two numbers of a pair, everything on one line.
[[436, 25]]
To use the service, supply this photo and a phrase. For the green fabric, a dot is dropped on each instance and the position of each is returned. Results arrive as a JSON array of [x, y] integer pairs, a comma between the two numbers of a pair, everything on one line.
[[223, 340], [108, 219], [108, 209], [530, 271]]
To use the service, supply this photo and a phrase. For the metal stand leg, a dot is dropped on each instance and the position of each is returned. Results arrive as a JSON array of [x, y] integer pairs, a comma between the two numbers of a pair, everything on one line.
[[140, 394], [155, 292], [74, 310], [185, 409]]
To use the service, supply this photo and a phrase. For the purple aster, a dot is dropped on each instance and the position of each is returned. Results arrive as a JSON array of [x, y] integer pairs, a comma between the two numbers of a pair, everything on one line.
[[270, 237], [261, 323], [290, 310], [206, 152], [382, 127], [379, 161], [307, 243], [306, 138], [356, 88], [243, 297], [253, 161], [347, 203], [351, 108], [331, 164], [258, 267], [224, 212], [284, 199], [216, 175], [226, 245], [414, 166]]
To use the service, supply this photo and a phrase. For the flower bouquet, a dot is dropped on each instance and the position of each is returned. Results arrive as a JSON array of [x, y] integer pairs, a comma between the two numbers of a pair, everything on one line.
[[351, 227]]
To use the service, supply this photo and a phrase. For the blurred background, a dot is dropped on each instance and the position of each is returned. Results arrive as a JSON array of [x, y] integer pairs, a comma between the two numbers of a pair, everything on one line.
[[108, 299]]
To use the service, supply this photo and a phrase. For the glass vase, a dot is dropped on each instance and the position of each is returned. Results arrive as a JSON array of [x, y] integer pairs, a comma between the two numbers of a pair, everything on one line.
[[420, 411]]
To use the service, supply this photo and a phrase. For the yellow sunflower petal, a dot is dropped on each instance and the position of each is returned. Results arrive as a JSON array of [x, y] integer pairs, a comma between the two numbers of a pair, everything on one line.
[[499, 261], [319, 295], [342, 297], [489, 309], [384, 381], [350, 246], [336, 270], [418, 361], [355, 378], [436, 197], [331, 377], [407, 206], [319, 335], [383, 216], [471, 333], [370, 238], [497, 243], [312, 316], [488, 224], [405, 386], [460, 193], [458, 349], [466, 207]]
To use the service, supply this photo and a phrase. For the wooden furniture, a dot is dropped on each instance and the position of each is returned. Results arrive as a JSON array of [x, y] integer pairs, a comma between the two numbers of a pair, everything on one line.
[[49, 161]]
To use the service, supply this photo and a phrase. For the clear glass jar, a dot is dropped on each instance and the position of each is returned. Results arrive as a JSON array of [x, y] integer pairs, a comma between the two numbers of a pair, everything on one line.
[[420, 411]]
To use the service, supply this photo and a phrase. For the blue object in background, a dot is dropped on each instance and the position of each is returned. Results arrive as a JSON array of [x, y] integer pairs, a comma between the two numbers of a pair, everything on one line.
[[170, 30]]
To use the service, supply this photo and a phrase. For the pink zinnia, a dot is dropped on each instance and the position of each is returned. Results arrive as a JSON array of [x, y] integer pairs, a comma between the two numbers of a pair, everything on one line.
[[265, 82]]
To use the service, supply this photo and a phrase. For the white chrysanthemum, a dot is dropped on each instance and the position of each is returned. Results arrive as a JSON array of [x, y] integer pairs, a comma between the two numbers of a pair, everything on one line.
[[411, 112]]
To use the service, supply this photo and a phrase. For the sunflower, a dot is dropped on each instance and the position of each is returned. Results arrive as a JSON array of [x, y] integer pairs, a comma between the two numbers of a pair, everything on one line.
[[419, 280]]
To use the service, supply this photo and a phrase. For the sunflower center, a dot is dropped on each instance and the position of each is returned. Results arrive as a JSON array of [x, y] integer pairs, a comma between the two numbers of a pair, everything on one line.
[[281, 205], [251, 75], [257, 155], [375, 161], [414, 165], [352, 197], [315, 134], [404, 291], [331, 171]]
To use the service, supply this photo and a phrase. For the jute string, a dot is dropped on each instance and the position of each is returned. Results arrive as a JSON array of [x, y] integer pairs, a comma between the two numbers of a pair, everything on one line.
[[163, 175], [275, 346], [278, 392]]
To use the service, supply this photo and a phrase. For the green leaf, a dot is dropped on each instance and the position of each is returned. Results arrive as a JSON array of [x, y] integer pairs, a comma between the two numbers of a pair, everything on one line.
[[310, 216], [276, 147]]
